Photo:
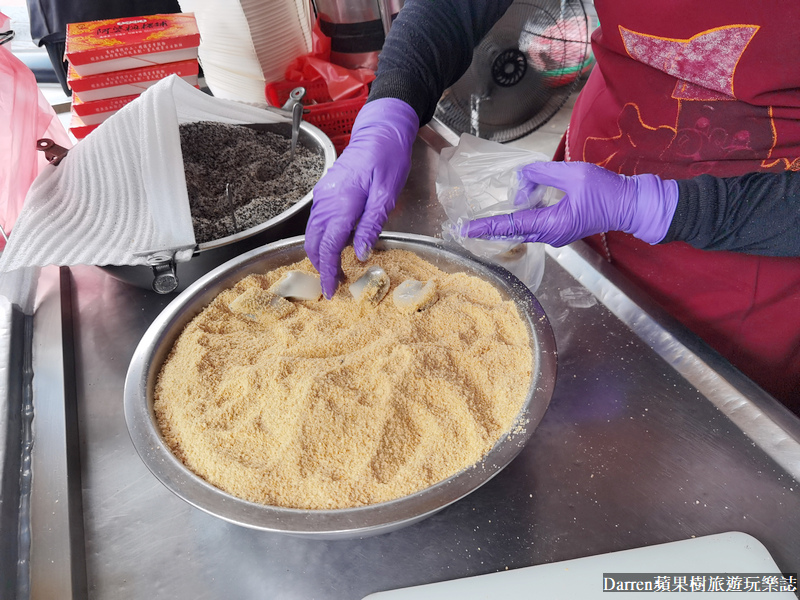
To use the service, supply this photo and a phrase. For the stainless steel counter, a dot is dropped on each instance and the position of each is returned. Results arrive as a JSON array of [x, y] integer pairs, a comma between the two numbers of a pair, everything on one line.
[[650, 437]]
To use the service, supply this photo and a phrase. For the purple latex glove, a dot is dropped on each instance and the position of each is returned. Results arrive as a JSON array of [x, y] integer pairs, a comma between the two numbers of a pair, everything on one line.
[[360, 189], [596, 201]]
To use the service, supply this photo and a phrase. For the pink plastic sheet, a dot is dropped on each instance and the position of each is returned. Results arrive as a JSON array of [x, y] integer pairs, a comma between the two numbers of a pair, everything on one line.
[[25, 117]]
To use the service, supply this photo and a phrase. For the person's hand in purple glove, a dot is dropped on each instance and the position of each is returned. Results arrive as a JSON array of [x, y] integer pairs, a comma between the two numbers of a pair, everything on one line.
[[359, 190], [596, 200]]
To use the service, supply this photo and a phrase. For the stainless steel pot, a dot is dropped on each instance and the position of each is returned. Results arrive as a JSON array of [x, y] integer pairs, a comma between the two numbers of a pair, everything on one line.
[[357, 29], [341, 523], [165, 276]]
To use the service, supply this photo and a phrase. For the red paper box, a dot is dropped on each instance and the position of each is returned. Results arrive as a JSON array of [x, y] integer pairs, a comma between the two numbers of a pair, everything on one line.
[[80, 129], [94, 47], [96, 111], [129, 82]]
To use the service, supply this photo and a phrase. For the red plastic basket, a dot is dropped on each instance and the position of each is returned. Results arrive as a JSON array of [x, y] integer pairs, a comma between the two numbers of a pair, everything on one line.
[[334, 118]]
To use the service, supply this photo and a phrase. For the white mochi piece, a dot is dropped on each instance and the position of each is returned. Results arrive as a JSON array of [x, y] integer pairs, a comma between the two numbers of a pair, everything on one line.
[[297, 285], [413, 295], [371, 287]]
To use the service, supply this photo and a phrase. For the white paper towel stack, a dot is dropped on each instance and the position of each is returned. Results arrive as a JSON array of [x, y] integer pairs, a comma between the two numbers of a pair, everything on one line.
[[119, 196], [246, 43]]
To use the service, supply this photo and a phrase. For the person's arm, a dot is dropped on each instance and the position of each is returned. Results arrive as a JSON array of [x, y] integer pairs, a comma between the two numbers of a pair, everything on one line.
[[428, 48], [757, 213]]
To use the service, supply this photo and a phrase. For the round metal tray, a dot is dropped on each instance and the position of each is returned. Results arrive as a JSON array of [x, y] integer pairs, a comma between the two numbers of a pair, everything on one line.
[[339, 523]]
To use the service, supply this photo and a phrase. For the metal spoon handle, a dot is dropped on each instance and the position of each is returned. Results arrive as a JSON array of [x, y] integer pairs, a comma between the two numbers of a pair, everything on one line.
[[297, 117]]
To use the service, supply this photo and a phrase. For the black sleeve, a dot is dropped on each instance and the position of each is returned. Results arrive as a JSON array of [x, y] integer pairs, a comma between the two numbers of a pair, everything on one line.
[[429, 47], [757, 213]]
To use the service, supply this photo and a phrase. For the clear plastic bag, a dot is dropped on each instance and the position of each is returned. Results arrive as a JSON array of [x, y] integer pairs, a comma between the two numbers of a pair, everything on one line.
[[478, 178]]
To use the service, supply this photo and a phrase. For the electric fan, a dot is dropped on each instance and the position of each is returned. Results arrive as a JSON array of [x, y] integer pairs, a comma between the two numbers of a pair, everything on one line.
[[522, 72]]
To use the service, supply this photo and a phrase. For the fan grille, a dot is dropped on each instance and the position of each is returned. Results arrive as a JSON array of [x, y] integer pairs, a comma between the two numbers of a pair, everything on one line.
[[509, 67], [522, 72]]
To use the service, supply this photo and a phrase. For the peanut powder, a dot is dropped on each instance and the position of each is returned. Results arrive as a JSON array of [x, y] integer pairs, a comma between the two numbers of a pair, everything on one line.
[[334, 403]]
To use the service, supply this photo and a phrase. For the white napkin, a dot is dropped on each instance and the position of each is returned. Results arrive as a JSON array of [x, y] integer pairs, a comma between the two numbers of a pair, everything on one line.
[[281, 31], [119, 197], [246, 43]]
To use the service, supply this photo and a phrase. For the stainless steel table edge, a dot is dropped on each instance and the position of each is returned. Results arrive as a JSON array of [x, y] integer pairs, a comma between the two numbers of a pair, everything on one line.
[[43, 552], [15, 330], [756, 413]]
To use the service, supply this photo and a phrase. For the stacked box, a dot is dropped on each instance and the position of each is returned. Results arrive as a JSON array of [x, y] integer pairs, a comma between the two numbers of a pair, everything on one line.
[[97, 111], [112, 61]]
